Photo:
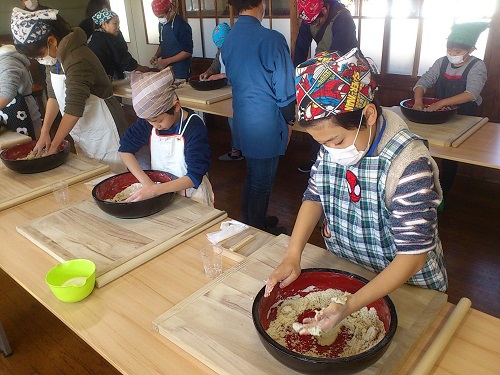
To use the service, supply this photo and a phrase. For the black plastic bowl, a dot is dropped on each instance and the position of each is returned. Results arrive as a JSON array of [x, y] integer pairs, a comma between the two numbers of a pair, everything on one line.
[[109, 187], [427, 117], [264, 311], [207, 85], [11, 155]]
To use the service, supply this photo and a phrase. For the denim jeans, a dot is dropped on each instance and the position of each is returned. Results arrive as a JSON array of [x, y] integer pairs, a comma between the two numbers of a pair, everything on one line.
[[235, 141], [257, 190]]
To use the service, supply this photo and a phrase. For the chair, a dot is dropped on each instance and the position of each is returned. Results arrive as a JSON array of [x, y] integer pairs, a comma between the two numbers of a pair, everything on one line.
[[4, 343]]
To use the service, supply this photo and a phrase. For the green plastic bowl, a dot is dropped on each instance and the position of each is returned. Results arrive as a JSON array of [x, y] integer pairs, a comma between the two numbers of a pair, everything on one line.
[[72, 280]]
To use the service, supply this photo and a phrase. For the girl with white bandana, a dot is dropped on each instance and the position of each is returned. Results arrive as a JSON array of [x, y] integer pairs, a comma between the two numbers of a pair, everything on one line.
[[374, 181], [77, 86]]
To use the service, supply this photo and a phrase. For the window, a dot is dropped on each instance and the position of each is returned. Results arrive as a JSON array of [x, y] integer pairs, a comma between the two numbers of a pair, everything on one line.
[[118, 7], [151, 22], [415, 30]]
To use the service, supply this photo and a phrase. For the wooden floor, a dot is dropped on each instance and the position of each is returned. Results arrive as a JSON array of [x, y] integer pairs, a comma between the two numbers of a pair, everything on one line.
[[468, 228]]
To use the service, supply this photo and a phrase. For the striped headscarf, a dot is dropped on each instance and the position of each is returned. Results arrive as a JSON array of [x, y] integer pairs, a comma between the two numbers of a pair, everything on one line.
[[153, 93], [104, 15], [330, 84], [29, 27]]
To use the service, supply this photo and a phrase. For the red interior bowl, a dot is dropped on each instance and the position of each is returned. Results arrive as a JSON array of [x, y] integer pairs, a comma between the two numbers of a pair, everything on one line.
[[11, 155], [427, 117], [265, 309], [109, 187]]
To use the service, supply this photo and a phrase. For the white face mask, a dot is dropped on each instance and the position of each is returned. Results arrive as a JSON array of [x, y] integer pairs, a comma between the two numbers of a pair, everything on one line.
[[31, 4], [349, 155], [163, 20], [456, 59], [47, 60]]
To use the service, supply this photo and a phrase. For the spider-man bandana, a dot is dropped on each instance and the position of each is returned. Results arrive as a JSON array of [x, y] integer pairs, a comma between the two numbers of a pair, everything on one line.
[[330, 84]]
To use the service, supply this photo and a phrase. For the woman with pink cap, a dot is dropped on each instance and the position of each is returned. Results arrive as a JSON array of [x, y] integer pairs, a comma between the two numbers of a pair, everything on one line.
[[374, 181]]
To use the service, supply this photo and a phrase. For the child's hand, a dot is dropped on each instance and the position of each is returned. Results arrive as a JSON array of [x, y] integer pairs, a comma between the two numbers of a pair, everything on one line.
[[145, 192], [161, 63], [435, 106], [42, 144], [325, 319], [285, 274], [419, 106]]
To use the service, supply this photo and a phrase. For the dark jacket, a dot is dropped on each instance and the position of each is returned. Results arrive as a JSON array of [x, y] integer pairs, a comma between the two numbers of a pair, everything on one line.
[[113, 53]]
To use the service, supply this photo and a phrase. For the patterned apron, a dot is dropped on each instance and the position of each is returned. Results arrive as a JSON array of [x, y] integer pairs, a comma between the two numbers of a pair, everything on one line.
[[95, 133], [357, 225], [16, 117], [167, 154]]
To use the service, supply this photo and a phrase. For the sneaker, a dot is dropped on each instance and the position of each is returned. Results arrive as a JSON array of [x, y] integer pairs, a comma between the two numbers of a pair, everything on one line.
[[230, 156], [306, 168]]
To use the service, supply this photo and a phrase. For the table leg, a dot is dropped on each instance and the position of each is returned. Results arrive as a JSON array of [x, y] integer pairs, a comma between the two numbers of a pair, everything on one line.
[[4, 343]]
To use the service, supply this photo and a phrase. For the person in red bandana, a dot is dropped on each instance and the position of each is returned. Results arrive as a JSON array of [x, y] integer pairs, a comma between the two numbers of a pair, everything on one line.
[[176, 41], [374, 181], [331, 26]]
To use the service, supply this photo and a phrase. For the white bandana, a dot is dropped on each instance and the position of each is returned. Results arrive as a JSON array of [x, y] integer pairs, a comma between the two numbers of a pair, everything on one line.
[[28, 27]]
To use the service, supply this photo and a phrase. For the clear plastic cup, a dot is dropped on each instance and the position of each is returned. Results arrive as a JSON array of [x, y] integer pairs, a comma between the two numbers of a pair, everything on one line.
[[212, 260], [61, 193]]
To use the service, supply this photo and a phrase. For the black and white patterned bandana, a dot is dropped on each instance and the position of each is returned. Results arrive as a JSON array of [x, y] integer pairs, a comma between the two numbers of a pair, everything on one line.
[[29, 27]]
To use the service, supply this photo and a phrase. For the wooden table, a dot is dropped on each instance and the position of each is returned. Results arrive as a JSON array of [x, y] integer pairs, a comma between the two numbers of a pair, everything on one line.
[[481, 148], [9, 138], [116, 320]]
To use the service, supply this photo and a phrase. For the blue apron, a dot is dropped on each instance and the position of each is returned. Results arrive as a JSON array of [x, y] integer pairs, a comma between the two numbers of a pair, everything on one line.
[[170, 46]]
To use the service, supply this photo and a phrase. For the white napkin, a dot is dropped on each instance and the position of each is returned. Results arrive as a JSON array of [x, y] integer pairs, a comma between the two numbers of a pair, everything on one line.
[[228, 229]]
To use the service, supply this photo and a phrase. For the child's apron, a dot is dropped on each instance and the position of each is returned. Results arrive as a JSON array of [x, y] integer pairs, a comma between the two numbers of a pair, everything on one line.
[[357, 225], [167, 154], [95, 133]]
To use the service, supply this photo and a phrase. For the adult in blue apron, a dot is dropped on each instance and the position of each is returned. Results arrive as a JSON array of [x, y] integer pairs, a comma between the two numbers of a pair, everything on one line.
[[167, 154]]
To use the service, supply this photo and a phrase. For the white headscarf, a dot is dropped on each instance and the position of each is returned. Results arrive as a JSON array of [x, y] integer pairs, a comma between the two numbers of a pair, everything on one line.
[[29, 27]]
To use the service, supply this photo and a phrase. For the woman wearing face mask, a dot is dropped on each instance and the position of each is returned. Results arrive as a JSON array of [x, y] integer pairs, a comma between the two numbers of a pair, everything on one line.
[[176, 40], [374, 181], [77, 85], [113, 54], [459, 79]]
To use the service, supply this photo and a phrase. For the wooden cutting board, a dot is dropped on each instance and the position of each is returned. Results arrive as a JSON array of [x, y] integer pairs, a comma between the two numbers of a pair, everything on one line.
[[9, 138], [215, 323], [115, 245], [16, 188], [186, 92], [450, 134]]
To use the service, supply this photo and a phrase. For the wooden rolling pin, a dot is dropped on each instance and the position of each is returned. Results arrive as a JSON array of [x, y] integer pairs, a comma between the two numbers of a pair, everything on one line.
[[231, 252], [242, 243], [442, 339]]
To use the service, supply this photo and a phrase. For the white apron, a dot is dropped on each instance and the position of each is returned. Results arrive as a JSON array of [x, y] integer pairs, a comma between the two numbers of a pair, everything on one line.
[[167, 154], [95, 133]]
